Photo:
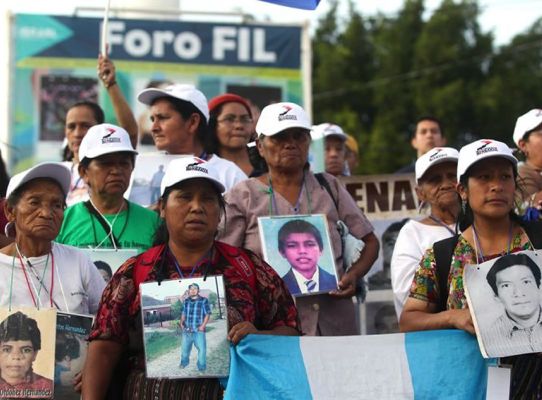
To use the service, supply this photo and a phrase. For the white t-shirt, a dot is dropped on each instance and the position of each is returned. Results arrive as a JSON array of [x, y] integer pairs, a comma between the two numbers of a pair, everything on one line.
[[228, 172], [77, 284], [412, 242]]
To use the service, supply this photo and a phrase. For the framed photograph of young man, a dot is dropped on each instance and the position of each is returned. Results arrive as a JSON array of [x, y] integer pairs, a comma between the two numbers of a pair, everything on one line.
[[27, 353], [108, 261], [185, 328], [298, 247], [505, 302]]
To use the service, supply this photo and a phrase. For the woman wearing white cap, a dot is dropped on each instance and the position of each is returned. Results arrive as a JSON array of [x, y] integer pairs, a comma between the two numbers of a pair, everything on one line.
[[257, 300], [35, 271], [528, 138], [289, 188], [436, 178], [180, 116], [107, 219], [487, 175]]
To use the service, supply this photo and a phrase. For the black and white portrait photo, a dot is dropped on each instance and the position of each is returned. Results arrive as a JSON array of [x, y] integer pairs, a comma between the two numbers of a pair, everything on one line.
[[505, 302]]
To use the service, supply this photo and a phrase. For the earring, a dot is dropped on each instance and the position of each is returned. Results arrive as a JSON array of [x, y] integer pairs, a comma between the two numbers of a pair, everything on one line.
[[8, 228], [464, 206]]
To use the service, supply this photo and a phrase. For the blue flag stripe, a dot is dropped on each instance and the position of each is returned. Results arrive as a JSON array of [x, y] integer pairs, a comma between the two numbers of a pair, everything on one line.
[[303, 4]]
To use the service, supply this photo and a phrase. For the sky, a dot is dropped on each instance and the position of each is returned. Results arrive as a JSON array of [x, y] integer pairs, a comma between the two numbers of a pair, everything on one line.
[[505, 18]]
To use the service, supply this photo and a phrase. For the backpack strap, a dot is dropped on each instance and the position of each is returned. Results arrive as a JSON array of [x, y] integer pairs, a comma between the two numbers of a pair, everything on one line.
[[240, 260], [444, 250], [325, 184], [533, 229]]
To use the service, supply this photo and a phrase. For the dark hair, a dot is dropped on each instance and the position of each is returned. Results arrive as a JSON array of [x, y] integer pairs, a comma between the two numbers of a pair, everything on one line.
[[528, 133], [510, 260], [186, 109], [104, 267], [99, 115], [16, 195], [19, 326], [428, 118], [298, 226], [4, 177], [192, 285], [161, 235], [67, 345], [465, 217]]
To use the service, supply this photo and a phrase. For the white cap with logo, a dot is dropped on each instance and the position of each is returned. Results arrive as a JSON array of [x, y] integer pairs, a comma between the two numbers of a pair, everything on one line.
[[328, 130], [433, 157], [527, 122], [105, 139], [179, 91], [277, 117], [189, 167], [474, 152], [53, 170]]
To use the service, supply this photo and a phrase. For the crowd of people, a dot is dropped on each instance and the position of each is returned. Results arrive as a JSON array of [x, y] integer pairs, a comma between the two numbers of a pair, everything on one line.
[[234, 171]]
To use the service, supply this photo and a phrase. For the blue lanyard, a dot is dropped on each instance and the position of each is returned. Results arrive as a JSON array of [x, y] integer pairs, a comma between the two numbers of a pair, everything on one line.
[[475, 235], [196, 265], [441, 223], [273, 208]]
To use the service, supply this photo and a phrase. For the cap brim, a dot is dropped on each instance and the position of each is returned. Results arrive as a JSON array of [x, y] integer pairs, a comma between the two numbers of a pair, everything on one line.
[[439, 161], [217, 184], [510, 158], [56, 171], [147, 96], [289, 125], [100, 152]]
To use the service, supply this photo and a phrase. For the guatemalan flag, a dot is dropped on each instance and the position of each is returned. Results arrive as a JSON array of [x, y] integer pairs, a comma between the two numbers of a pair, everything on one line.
[[443, 364], [303, 4]]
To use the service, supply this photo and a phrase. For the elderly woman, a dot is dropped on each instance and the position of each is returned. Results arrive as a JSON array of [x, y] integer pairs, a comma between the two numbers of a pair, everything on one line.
[[258, 302], [436, 181], [180, 116], [35, 271], [290, 188], [528, 138], [231, 129], [107, 219], [487, 176]]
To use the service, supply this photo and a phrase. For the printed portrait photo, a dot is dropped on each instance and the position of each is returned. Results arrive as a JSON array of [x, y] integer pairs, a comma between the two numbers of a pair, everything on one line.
[[72, 331], [299, 249], [185, 328], [27, 345], [108, 261], [505, 302]]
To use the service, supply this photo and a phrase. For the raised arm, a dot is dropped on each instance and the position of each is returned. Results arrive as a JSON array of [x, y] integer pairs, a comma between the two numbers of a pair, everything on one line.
[[123, 112]]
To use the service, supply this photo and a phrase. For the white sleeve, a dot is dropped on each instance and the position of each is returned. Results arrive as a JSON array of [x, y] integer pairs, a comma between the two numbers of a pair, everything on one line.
[[404, 261], [93, 282]]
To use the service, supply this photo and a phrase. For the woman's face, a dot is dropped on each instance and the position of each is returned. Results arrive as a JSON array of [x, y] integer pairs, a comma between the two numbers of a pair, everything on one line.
[[39, 212], [287, 150], [170, 131], [234, 126], [16, 358], [192, 212], [78, 121], [490, 188], [532, 148], [438, 186], [108, 175]]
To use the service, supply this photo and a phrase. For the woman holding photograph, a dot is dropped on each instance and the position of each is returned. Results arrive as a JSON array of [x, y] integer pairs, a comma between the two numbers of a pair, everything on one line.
[[487, 173], [191, 206], [35, 271], [290, 188]]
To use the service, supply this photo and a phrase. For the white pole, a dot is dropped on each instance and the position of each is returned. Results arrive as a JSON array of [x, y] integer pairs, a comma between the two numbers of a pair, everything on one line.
[[105, 28]]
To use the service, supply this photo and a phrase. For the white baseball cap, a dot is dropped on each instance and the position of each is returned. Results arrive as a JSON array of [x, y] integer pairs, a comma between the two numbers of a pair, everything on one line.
[[189, 167], [327, 130], [527, 122], [53, 170], [435, 156], [480, 150], [184, 92], [277, 117], [105, 139]]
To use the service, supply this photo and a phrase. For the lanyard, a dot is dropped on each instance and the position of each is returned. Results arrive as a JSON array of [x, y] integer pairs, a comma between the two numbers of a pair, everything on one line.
[[479, 247], [273, 208], [33, 290], [196, 264], [441, 223]]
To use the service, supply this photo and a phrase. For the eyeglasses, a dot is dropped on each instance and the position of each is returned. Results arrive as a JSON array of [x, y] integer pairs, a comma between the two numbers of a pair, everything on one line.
[[231, 119]]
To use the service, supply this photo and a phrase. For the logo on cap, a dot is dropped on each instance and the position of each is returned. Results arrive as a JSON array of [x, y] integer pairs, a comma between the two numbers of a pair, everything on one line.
[[195, 166], [283, 115], [436, 155], [108, 139], [539, 113], [485, 149]]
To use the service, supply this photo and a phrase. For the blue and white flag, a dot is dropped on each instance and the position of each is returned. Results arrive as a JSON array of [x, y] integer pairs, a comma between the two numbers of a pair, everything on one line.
[[303, 4], [443, 364]]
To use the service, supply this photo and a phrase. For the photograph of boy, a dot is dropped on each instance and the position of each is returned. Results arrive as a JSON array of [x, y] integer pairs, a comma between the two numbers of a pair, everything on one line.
[[301, 244], [515, 281], [194, 319], [20, 342]]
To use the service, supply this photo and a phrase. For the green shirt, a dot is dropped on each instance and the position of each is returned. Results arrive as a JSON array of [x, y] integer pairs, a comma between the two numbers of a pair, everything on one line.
[[134, 228]]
